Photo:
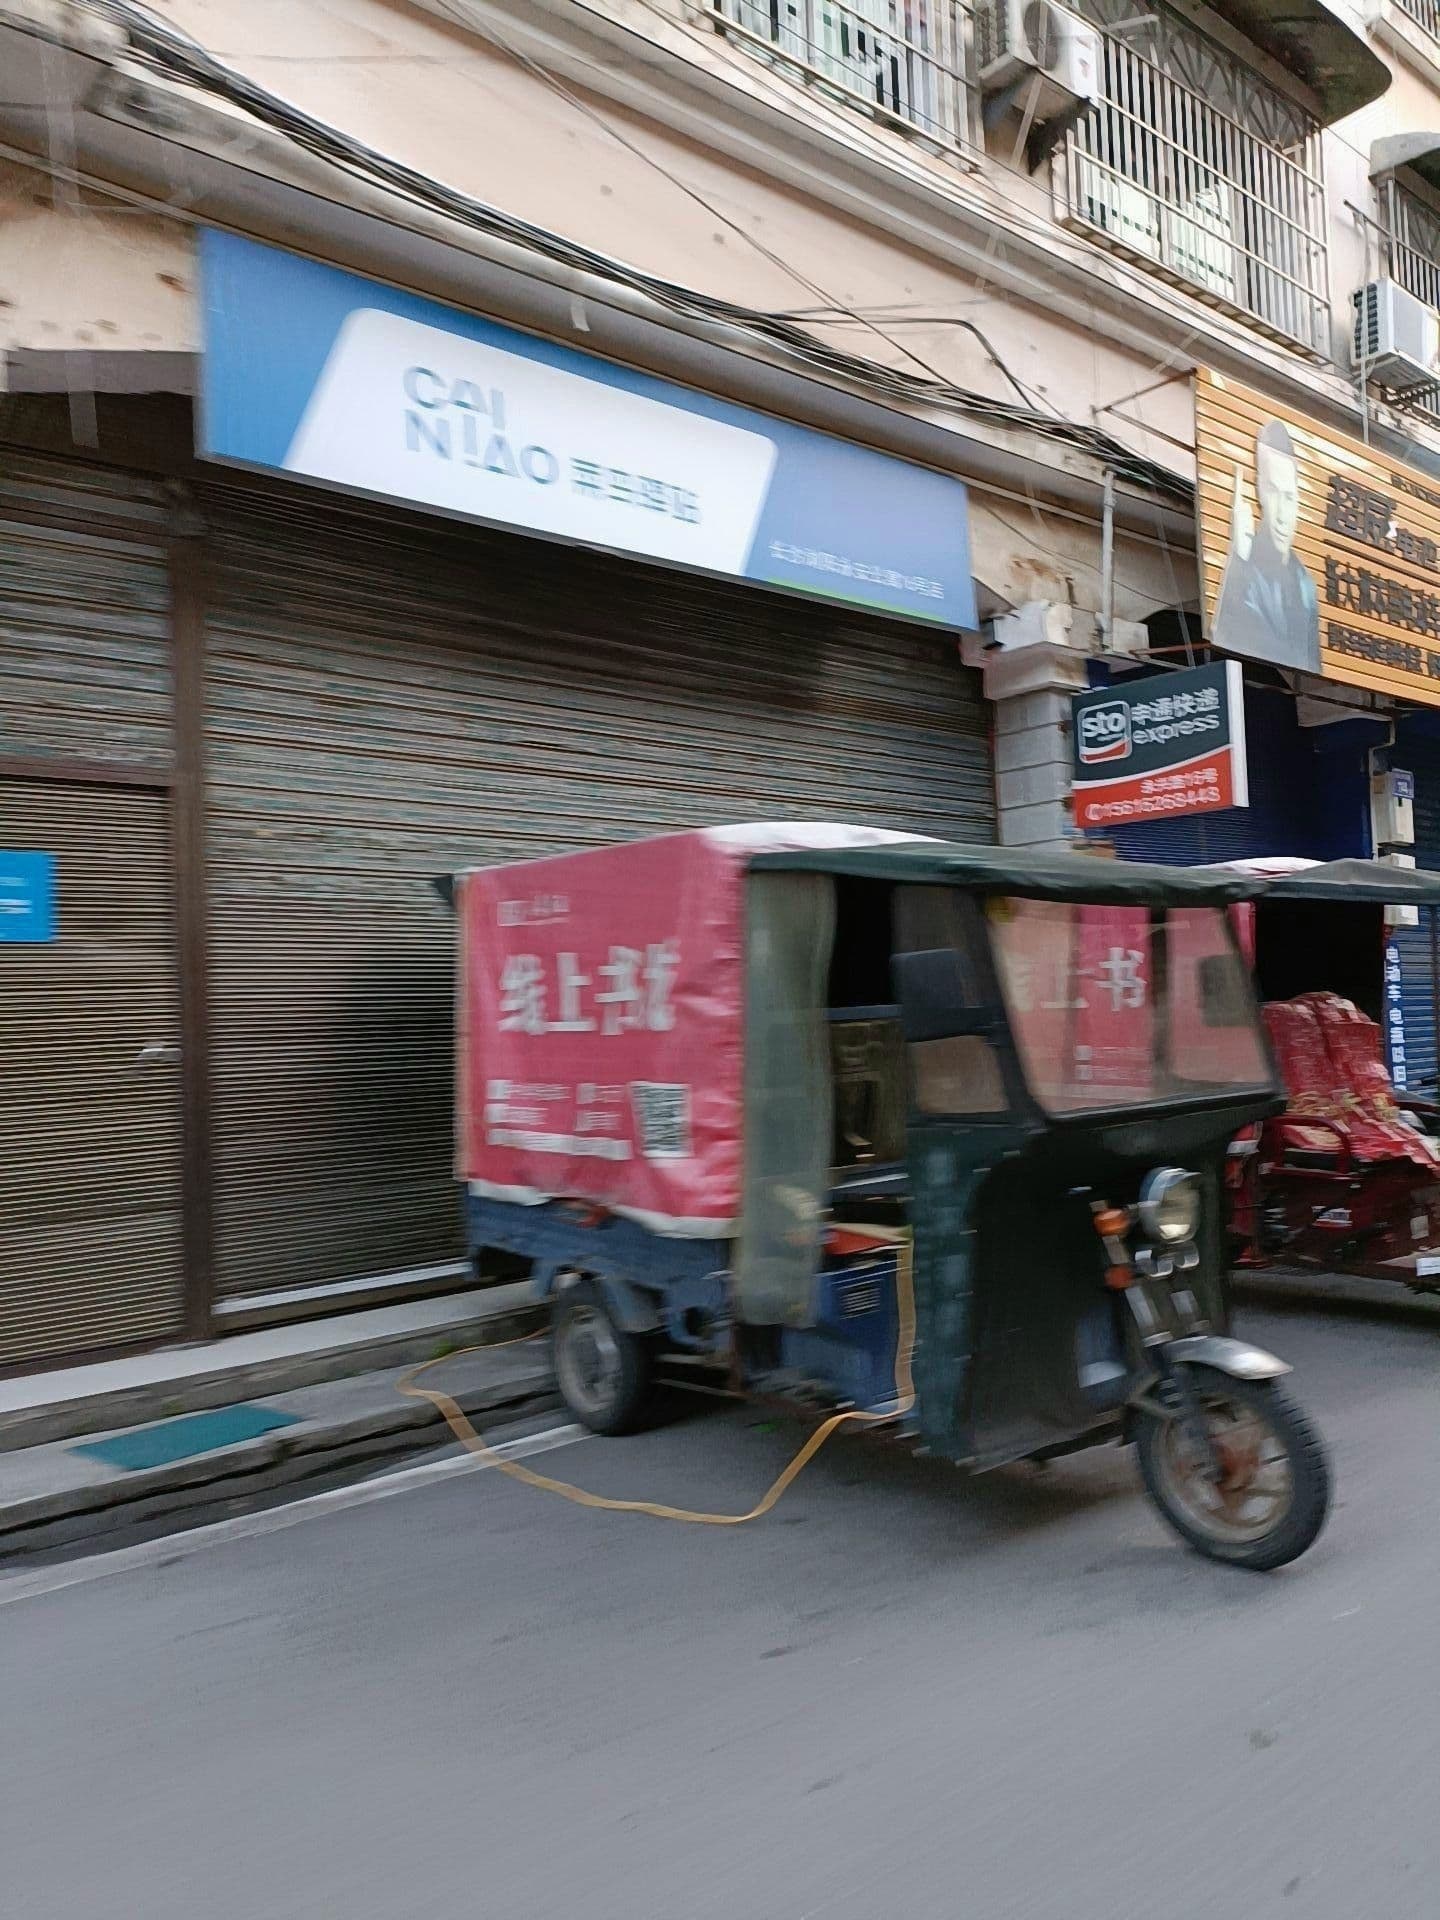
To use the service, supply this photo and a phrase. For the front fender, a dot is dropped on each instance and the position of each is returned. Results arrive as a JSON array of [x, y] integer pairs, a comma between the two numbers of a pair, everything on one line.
[[1235, 1357]]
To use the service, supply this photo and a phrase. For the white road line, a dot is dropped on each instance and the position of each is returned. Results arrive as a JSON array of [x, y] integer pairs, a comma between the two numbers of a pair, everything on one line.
[[246, 1526]]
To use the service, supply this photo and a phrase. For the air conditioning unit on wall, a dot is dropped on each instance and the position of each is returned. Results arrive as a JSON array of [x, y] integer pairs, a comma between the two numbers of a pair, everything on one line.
[[1397, 338], [1034, 40]]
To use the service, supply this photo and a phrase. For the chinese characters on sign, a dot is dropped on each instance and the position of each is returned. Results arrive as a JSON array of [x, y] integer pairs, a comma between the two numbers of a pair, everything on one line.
[[1159, 746], [1316, 552], [1081, 994], [312, 371], [636, 992], [1117, 973], [1395, 1018], [656, 496], [821, 561], [600, 1046]]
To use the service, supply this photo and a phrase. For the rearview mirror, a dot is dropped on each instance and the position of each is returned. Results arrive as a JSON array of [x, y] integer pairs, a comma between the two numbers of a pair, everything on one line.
[[936, 991]]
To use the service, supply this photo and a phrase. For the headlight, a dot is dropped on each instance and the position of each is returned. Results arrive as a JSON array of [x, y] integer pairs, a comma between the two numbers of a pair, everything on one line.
[[1170, 1205]]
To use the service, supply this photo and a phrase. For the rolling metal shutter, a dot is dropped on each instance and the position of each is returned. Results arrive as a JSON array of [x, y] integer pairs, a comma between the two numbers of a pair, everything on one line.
[[90, 1251], [1295, 808], [89, 1138], [84, 615], [1413, 951], [1281, 816], [389, 698]]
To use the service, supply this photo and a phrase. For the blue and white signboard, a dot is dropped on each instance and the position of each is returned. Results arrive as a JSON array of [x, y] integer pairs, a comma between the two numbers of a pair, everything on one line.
[[316, 372], [27, 897]]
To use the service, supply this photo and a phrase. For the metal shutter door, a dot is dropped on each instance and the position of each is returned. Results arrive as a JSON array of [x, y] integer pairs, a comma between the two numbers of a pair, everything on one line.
[[89, 1166], [84, 614], [1412, 950], [1304, 800], [1281, 817], [389, 698], [90, 1251]]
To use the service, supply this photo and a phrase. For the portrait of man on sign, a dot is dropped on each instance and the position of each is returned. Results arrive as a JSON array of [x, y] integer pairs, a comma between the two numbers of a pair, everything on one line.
[[1267, 607]]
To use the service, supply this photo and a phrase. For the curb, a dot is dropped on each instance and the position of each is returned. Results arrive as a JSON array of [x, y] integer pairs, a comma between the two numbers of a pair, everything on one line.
[[253, 1466], [222, 1386]]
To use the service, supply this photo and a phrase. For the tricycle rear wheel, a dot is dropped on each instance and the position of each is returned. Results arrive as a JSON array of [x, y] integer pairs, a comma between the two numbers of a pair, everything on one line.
[[606, 1373], [1273, 1493]]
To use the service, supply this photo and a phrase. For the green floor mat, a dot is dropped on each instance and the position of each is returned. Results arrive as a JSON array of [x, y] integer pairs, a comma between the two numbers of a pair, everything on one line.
[[178, 1439]]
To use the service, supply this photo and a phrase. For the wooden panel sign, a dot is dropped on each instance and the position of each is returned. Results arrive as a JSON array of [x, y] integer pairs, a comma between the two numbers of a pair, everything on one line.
[[1316, 552]]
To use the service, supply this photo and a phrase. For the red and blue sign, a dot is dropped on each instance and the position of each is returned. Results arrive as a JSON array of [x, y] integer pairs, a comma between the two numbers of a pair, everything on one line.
[[1159, 748]]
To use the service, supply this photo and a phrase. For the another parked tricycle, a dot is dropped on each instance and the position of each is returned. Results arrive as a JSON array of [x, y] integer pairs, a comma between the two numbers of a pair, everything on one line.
[[838, 1110]]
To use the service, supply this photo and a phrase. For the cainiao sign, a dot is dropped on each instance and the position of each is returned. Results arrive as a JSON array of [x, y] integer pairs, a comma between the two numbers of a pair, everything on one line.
[[318, 373]]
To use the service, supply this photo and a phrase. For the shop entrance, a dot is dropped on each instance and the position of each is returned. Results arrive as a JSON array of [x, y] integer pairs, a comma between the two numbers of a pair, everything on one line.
[[91, 1253]]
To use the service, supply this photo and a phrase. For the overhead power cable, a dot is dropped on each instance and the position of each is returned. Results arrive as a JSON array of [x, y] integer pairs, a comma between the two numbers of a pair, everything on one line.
[[167, 51]]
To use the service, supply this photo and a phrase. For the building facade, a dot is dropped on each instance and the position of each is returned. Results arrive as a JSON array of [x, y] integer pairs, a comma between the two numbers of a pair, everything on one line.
[[254, 697]]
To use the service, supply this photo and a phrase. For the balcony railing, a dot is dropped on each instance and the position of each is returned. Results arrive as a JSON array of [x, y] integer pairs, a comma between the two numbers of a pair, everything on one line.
[[1163, 173], [1413, 241], [1425, 13], [902, 61]]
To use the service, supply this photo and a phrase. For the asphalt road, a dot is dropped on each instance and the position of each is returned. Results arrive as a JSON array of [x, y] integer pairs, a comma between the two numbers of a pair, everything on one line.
[[902, 1694]]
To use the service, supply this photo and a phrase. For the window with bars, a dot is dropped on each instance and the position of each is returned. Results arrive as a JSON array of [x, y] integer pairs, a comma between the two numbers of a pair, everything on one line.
[[1426, 14], [1412, 244], [902, 61], [1192, 162]]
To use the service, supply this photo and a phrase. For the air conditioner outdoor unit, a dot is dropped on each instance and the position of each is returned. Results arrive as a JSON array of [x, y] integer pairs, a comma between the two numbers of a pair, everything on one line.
[[1048, 45], [1397, 337]]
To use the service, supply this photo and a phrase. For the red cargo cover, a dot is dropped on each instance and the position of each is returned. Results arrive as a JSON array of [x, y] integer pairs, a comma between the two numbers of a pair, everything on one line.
[[600, 1008]]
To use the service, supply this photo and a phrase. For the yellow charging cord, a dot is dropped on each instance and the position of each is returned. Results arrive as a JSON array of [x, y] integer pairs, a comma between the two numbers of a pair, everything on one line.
[[465, 1433]]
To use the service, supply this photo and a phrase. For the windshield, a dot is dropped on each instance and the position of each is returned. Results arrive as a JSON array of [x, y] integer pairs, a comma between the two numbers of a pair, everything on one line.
[[1125, 1006]]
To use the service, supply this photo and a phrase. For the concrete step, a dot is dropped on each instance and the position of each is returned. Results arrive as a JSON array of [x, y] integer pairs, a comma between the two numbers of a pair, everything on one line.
[[53, 1496], [37, 1408]]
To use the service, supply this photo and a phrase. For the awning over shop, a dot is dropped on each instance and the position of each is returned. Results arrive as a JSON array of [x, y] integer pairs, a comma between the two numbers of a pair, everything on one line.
[[1417, 153], [1318, 45]]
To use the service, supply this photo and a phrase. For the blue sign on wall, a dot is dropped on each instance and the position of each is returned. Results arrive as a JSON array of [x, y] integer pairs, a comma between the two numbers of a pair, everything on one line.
[[320, 373], [27, 896]]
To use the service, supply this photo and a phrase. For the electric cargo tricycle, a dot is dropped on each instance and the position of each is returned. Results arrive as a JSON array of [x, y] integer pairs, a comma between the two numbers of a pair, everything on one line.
[[928, 1131]]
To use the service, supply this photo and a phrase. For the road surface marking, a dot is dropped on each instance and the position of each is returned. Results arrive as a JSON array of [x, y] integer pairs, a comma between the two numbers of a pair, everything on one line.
[[246, 1526]]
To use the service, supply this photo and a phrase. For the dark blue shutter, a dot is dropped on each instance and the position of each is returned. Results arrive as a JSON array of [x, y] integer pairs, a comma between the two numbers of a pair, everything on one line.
[[1411, 951], [1309, 797], [1410, 992]]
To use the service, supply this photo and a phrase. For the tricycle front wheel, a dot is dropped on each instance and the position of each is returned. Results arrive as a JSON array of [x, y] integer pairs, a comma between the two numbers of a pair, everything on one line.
[[1272, 1492]]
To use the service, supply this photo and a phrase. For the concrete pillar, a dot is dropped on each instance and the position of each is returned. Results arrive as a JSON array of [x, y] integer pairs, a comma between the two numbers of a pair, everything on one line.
[[1033, 660], [1032, 765]]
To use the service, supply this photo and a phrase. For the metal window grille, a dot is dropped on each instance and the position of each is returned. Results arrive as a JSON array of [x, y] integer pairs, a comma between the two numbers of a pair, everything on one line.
[[1192, 163], [1413, 245], [1425, 13], [901, 60]]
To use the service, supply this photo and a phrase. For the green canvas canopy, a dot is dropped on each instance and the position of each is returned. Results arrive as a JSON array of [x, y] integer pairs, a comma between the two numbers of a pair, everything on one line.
[[1037, 875]]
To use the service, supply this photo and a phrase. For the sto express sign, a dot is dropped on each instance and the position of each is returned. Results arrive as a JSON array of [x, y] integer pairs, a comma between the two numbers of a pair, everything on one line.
[[1170, 744]]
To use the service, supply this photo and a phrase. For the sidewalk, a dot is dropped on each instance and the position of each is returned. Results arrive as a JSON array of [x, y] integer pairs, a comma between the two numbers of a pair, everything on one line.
[[87, 1450]]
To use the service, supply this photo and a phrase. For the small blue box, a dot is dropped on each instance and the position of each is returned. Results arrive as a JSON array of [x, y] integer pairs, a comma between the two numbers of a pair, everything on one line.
[[27, 897]]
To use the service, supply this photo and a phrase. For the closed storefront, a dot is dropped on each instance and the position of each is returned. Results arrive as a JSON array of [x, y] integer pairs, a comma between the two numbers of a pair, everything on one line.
[[249, 723], [388, 698], [91, 1249]]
